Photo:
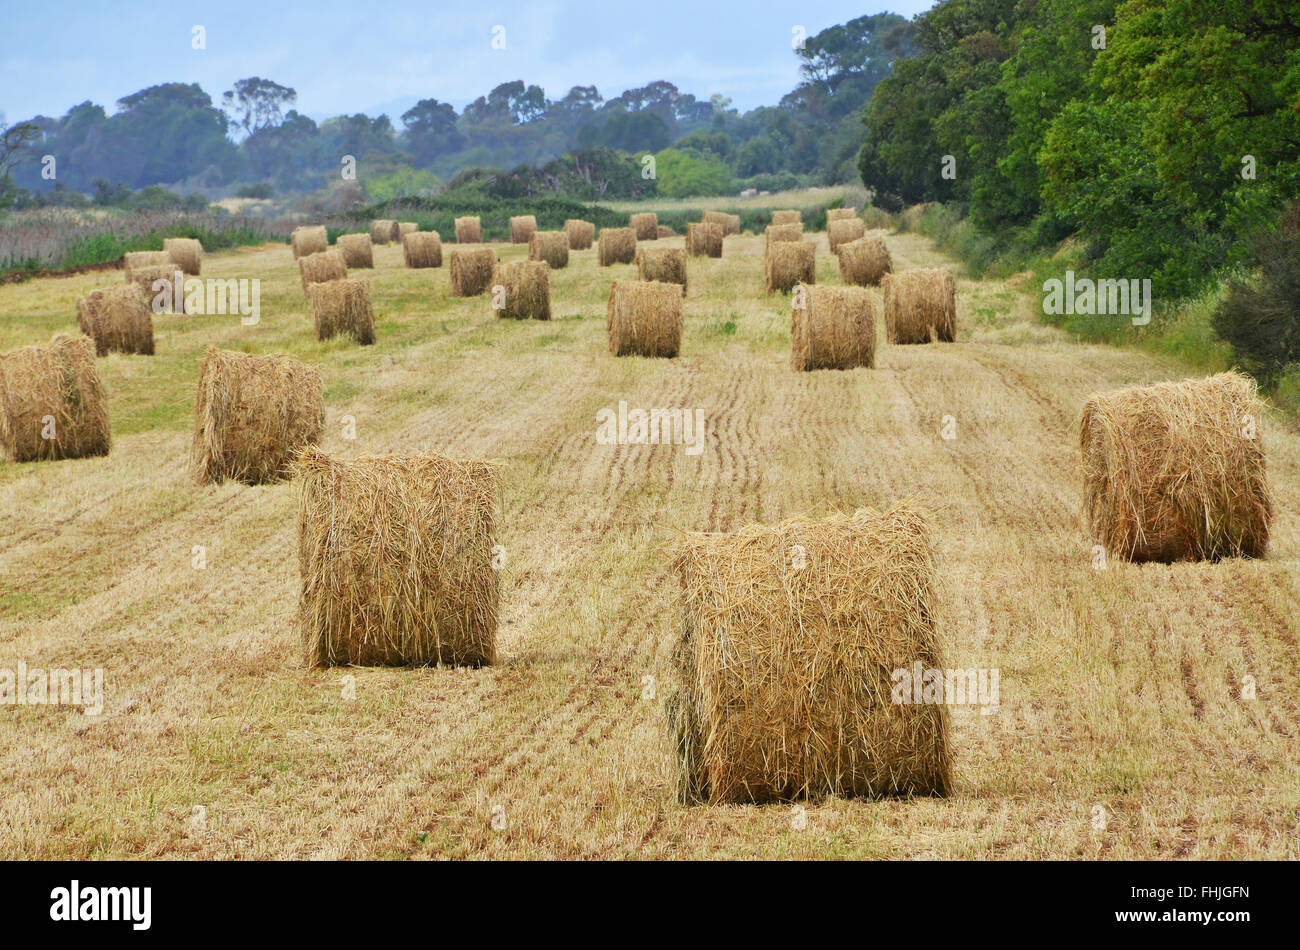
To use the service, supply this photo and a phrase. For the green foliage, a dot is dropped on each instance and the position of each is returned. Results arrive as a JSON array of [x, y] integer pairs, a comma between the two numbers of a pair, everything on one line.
[[400, 181], [681, 175]]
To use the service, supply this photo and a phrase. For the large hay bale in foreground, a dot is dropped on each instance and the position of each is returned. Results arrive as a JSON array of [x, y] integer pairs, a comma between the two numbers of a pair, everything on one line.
[[582, 234], [522, 228], [729, 223], [135, 260], [787, 263], [782, 232], [357, 250], [704, 240], [864, 262], [320, 267], [644, 318], [793, 633], [253, 415], [469, 230], [521, 290], [551, 247], [666, 265], [645, 225], [842, 232], [396, 555], [52, 403], [470, 271], [163, 286], [185, 253], [309, 239], [839, 214], [342, 308], [920, 306], [406, 227], [1176, 471], [788, 217], [422, 249], [832, 328], [382, 231], [616, 246], [118, 319]]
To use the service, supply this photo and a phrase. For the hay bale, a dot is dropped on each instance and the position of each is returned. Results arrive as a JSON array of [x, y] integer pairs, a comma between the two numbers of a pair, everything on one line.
[[320, 267], [832, 328], [787, 673], [839, 214], [787, 263], [309, 239], [471, 271], [134, 260], [118, 319], [396, 558], [844, 231], [253, 415], [582, 234], [616, 246], [864, 262], [163, 286], [1176, 471], [422, 249], [521, 290], [469, 230], [788, 217], [406, 227], [644, 318], [381, 230], [522, 228], [358, 250], [666, 232], [185, 253], [704, 240], [52, 403], [782, 232], [551, 247], [920, 306], [342, 308], [645, 225], [729, 223], [666, 265]]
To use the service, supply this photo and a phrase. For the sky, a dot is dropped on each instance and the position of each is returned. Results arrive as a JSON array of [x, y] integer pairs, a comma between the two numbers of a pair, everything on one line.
[[346, 57]]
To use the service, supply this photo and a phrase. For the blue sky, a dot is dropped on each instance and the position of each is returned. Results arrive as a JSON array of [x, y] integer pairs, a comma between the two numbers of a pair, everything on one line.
[[382, 56]]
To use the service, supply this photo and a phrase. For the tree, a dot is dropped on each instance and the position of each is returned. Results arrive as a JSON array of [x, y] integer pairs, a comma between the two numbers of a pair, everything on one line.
[[431, 130], [256, 104]]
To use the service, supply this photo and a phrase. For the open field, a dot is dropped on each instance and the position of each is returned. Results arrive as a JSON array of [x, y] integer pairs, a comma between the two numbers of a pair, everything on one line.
[[1119, 688], [801, 198]]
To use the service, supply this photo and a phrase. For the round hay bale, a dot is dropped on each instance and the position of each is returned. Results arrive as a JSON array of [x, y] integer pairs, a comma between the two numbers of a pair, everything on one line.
[[133, 260], [163, 286], [645, 225], [832, 328], [864, 262], [52, 403], [522, 228], [616, 246], [406, 227], [788, 217], [253, 415], [666, 232], [551, 247], [787, 673], [666, 265], [342, 308], [1176, 471], [309, 239], [427, 593], [118, 319], [320, 267], [644, 318], [782, 232], [381, 230], [704, 240], [185, 253], [582, 234], [844, 231], [521, 290], [471, 271], [920, 306], [422, 249], [839, 214], [469, 230], [358, 250], [729, 223], [787, 263]]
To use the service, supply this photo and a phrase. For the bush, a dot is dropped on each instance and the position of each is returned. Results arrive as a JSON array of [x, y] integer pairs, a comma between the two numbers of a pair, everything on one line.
[[260, 190], [679, 175]]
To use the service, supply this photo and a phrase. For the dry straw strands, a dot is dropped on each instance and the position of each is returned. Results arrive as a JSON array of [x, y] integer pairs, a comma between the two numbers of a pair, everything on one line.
[[581, 234], [469, 230], [666, 265], [522, 228], [787, 217], [782, 232], [644, 319], [551, 247], [864, 262], [253, 415], [135, 260], [1176, 471], [52, 403], [396, 555], [920, 306], [168, 297], [839, 214], [471, 271], [787, 675], [845, 230], [521, 290], [118, 319], [406, 227], [318, 268], [422, 249], [357, 250], [186, 253], [787, 263], [309, 239], [665, 232], [342, 307], [832, 328], [704, 240], [645, 225], [729, 223], [382, 230], [616, 246]]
